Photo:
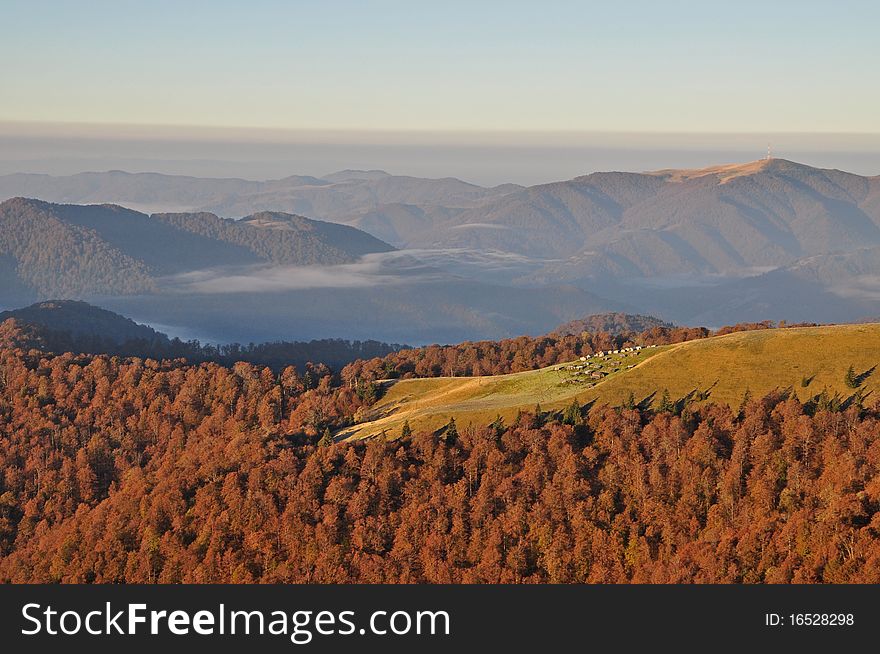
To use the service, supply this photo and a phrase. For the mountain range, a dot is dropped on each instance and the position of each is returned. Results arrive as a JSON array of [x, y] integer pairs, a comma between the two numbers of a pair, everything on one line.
[[726, 220], [65, 251], [768, 239], [730, 219], [268, 276], [395, 208]]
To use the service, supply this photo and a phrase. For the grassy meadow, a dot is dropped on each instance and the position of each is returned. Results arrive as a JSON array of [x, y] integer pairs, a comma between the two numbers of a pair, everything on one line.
[[719, 369]]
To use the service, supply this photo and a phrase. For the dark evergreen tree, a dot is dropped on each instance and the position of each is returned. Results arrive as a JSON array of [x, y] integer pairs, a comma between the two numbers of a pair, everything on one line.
[[850, 379], [572, 414], [450, 433], [666, 405]]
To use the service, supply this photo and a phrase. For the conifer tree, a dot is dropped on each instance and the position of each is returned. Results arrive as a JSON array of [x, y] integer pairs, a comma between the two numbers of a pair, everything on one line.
[[572, 415], [666, 405], [539, 415], [850, 378], [451, 431], [747, 397]]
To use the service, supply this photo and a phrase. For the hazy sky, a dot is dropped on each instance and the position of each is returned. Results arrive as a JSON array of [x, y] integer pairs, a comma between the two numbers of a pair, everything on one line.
[[743, 66]]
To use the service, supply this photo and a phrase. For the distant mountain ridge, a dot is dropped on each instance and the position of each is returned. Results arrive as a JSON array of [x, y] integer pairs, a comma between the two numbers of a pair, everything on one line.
[[270, 276], [74, 251], [150, 191], [343, 197], [722, 220], [767, 239]]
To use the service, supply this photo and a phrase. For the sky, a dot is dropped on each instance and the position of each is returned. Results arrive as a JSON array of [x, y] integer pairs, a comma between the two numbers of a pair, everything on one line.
[[490, 92], [745, 66]]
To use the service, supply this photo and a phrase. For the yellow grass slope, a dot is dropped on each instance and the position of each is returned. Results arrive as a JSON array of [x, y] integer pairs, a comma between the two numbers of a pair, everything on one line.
[[725, 366], [724, 173]]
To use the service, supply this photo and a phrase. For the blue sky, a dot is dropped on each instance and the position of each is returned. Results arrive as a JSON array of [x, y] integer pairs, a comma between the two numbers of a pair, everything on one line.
[[588, 66]]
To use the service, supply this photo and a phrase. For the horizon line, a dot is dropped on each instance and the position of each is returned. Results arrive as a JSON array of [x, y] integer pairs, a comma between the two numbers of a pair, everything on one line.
[[427, 130], [652, 171]]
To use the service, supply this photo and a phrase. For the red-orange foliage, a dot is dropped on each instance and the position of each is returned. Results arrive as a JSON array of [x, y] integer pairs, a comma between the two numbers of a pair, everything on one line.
[[509, 355], [140, 471]]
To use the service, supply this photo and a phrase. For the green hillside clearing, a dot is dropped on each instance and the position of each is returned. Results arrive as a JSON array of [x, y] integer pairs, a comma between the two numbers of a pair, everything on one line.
[[720, 369]]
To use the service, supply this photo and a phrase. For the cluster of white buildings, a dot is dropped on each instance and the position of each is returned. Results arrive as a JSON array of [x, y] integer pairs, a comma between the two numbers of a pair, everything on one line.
[[586, 369], [625, 350]]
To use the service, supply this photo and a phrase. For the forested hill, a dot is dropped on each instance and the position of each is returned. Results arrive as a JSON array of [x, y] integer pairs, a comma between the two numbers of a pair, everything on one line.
[[611, 323], [73, 251], [80, 319], [78, 327], [281, 238]]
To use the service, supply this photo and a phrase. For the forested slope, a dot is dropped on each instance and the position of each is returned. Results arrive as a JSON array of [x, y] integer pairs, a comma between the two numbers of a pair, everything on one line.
[[138, 471]]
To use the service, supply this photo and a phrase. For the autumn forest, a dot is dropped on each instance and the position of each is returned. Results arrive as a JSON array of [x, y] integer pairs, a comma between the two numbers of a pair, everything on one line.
[[130, 470]]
